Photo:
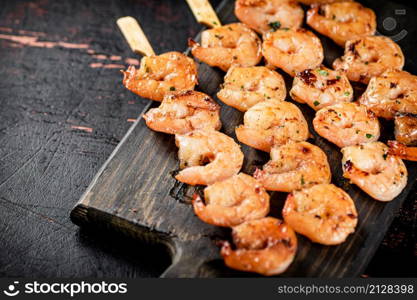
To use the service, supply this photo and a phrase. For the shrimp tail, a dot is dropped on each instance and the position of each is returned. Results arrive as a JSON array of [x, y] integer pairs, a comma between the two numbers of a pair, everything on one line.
[[192, 44], [128, 75], [398, 149], [226, 249]]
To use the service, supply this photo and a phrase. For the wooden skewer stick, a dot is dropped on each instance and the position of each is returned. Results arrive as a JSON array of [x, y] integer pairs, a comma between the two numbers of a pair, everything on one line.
[[135, 36], [204, 13]]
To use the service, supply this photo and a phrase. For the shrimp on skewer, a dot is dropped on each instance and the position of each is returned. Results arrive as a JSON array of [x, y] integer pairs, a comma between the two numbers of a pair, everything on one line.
[[232, 44], [160, 74], [342, 21], [272, 123], [368, 57], [406, 129], [294, 166], [324, 213], [292, 50], [373, 169], [266, 246], [245, 86], [402, 151], [347, 124], [207, 156], [266, 15], [390, 93], [233, 201], [321, 87], [182, 112]]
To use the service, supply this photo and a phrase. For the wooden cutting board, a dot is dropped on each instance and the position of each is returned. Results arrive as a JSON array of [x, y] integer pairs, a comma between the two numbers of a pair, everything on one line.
[[135, 192]]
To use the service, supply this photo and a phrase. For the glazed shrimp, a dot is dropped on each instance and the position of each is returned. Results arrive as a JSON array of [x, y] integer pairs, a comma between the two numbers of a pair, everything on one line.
[[182, 112], [321, 87], [347, 124], [406, 129], [232, 44], [402, 151], [342, 21], [369, 56], [324, 213], [207, 156], [270, 123], [245, 86], [266, 246], [390, 93], [233, 201], [292, 50], [159, 74], [371, 167], [294, 166], [266, 15]]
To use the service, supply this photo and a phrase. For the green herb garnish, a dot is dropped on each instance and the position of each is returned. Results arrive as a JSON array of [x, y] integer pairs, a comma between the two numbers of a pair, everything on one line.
[[275, 25], [172, 88], [346, 93], [316, 103], [323, 72], [368, 135]]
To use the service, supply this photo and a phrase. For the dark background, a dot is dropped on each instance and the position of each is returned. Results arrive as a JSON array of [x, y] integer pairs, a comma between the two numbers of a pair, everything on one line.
[[46, 163]]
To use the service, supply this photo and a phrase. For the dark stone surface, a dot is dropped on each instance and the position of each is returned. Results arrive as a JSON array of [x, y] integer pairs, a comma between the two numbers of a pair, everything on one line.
[[46, 164]]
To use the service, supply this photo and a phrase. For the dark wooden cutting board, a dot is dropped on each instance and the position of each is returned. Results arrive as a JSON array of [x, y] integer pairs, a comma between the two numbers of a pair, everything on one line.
[[135, 192]]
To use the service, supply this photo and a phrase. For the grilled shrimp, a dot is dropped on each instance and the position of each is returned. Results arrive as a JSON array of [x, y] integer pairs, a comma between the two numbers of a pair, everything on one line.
[[266, 15], [406, 129], [342, 21], [347, 124], [370, 166], [159, 74], [207, 156], [266, 246], [292, 50], [390, 93], [369, 56], [321, 87], [402, 151], [182, 112], [324, 213], [245, 86], [272, 123], [232, 44], [233, 201], [294, 166]]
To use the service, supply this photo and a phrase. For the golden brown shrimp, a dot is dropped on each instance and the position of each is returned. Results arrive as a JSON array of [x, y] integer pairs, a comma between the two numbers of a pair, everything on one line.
[[270, 123], [402, 151], [245, 86], [406, 129], [342, 21], [232, 44], [390, 93], [347, 124], [207, 156], [371, 167], [266, 15], [159, 74], [324, 213], [233, 201], [321, 87], [292, 50], [294, 166], [266, 246], [182, 112], [369, 56]]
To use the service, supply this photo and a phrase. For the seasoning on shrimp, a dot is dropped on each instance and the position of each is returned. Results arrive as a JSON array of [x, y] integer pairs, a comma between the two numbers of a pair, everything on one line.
[[321, 87], [243, 87], [182, 112], [207, 156], [266, 15], [373, 169], [266, 246], [342, 21], [292, 50], [232, 44], [160, 74], [270, 123], [406, 129], [233, 201], [368, 57], [294, 166], [324, 213], [347, 124]]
